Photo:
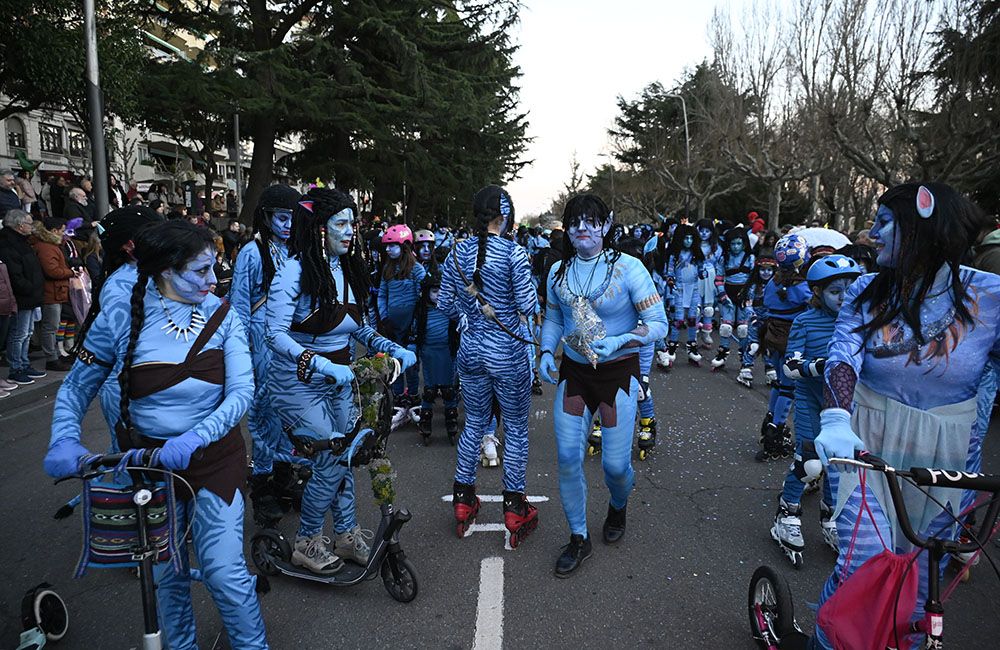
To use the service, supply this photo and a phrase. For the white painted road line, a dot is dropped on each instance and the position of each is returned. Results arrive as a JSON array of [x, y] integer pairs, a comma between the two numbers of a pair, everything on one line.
[[497, 498], [489, 612]]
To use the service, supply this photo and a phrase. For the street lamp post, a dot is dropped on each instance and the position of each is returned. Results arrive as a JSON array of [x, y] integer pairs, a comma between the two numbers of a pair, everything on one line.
[[687, 148], [98, 153]]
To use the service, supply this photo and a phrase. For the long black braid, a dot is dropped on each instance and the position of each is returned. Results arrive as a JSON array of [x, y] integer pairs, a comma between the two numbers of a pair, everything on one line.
[[307, 244], [489, 203], [165, 246], [580, 206]]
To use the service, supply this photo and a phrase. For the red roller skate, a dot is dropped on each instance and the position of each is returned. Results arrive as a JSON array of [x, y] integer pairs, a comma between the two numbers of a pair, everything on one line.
[[519, 516], [466, 507]]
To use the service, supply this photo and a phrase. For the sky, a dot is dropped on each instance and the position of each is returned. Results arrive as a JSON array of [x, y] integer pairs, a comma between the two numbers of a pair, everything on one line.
[[576, 57]]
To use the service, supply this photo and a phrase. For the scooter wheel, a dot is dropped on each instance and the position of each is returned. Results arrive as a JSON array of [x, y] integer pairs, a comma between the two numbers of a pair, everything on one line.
[[46, 610], [267, 546], [399, 578], [769, 605]]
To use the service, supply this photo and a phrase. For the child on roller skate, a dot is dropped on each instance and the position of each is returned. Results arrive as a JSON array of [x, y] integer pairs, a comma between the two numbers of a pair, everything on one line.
[[711, 284], [785, 297], [685, 271], [436, 339], [737, 266], [749, 345], [805, 360]]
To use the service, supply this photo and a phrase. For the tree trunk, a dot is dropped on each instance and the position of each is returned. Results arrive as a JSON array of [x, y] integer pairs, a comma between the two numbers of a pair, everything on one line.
[[261, 165], [702, 206], [814, 208], [774, 205]]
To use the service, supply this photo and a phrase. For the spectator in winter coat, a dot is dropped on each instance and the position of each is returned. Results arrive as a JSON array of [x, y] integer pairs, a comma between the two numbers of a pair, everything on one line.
[[8, 307], [48, 245], [28, 284], [9, 200], [26, 190], [77, 206]]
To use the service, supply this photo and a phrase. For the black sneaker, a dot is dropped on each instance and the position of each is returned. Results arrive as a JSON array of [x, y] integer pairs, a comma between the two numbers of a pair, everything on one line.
[[614, 525], [60, 365], [35, 374], [21, 378], [573, 555]]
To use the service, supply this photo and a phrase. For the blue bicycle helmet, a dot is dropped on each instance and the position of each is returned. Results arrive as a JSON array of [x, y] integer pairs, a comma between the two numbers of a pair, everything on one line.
[[830, 268], [791, 251]]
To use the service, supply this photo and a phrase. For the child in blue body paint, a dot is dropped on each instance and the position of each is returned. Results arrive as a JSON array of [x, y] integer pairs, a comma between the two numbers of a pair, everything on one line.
[[763, 271], [256, 265], [685, 271], [711, 284], [805, 359], [183, 405], [397, 300], [591, 289], [736, 267], [435, 336]]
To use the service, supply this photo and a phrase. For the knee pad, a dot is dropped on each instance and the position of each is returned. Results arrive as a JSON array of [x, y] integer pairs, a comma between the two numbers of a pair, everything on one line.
[[708, 311], [430, 394], [742, 331], [691, 322], [679, 324], [807, 467], [449, 393], [726, 330]]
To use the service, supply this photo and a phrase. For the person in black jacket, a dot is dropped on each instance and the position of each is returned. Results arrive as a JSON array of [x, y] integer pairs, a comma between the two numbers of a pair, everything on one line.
[[28, 282]]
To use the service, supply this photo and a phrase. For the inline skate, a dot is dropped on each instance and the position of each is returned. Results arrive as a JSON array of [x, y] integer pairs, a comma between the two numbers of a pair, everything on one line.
[[466, 505], [647, 437], [489, 455], [787, 531], [519, 516]]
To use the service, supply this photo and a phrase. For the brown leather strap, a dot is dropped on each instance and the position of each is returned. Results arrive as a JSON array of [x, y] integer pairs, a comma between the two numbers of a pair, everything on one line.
[[210, 328]]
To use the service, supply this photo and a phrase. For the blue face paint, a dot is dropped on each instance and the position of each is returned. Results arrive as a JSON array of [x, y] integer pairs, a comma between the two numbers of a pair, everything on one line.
[[766, 273], [705, 233], [195, 280], [424, 250], [587, 236], [281, 224], [886, 236], [736, 247], [432, 295], [393, 251], [832, 295], [688, 241], [340, 232]]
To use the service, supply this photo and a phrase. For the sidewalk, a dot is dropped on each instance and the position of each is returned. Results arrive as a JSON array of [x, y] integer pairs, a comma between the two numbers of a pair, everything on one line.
[[43, 389]]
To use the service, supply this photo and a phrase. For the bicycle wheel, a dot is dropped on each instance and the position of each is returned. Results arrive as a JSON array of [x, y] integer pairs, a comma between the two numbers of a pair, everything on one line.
[[769, 606]]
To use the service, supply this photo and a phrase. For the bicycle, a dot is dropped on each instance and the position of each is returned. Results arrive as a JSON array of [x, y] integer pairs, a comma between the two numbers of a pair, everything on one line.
[[769, 601]]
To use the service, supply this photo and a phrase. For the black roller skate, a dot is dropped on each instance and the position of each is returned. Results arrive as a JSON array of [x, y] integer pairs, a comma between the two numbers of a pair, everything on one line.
[[267, 510], [466, 505], [787, 531], [719, 362], [647, 437], [771, 445], [519, 516], [768, 419], [451, 423], [594, 440], [787, 443], [665, 358], [536, 384], [424, 424], [694, 357]]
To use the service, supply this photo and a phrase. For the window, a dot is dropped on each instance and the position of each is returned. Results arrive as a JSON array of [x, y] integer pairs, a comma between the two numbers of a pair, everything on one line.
[[78, 145], [15, 134], [51, 138]]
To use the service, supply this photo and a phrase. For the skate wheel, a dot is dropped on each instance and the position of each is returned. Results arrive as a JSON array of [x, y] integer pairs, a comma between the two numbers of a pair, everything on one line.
[[46, 610], [267, 547], [399, 578], [592, 450], [769, 605], [642, 454]]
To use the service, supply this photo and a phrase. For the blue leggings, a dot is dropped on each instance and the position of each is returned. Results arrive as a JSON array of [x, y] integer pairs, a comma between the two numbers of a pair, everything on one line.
[[681, 318], [262, 421], [616, 455], [508, 379], [780, 402], [217, 532], [646, 408]]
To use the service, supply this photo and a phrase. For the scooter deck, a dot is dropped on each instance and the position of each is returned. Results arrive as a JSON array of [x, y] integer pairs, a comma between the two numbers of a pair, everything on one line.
[[350, 575]]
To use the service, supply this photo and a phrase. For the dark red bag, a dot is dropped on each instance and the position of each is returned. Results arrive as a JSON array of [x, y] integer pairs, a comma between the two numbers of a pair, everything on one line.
[[860, 613]]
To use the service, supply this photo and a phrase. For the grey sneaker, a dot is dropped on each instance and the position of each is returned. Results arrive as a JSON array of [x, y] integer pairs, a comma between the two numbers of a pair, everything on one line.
[[312, 554], [352, 545]]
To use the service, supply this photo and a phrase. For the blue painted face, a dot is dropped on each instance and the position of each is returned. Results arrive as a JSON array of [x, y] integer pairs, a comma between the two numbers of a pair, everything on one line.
[[736, 247], [688, 241], [340, 232], [705, 233], [195, 280], [886, 235], [281, 224], [424, 250], [432, 295], [832, 295], [766, 273], [587, 236], [393, 251]]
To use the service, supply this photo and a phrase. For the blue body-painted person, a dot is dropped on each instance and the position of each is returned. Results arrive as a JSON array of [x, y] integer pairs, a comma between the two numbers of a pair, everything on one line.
[[255, 268], [436, 338], [711, 284], [397, 300], [423, 247], [186, 382], [655, 257], [117, 278], [685, 271], [736, 267], [906, 361], [785, 297], [315, 314], [763, 271], [596, 300], [805, 358], [486, 286]]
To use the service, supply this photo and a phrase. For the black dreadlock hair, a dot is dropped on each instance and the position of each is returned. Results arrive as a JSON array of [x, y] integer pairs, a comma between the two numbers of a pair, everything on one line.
[[664, 242], [582, 205], [713, 239], [730, 236], [275, 197], [677, 245], [488, 204], [307, 244], [158, 248]]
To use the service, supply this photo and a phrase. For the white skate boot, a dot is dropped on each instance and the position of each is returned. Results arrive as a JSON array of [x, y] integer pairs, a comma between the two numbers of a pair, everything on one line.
[[489, 455], [787, 531]]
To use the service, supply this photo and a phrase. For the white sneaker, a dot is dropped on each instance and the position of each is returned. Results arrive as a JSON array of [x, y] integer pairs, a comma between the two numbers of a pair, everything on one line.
[[352, 545], [312, 554], [4, 394]]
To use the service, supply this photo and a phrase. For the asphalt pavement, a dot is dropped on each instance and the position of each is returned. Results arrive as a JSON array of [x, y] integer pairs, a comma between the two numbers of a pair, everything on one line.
[[698, 526]]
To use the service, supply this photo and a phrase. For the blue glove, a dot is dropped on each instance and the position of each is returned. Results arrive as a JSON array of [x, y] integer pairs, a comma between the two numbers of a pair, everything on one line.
[[176, 453], [340, 375], [547, 367], [63, 458], [607, 346], [406, 358], [836, 439]]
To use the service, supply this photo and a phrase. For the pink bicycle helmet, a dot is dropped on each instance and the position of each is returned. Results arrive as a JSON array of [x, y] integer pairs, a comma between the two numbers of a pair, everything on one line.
[[423, 235], [398, 234]]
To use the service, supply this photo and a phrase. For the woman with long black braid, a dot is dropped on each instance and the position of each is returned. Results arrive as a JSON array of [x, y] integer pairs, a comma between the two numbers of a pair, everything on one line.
[[186, 381], [486, 285]]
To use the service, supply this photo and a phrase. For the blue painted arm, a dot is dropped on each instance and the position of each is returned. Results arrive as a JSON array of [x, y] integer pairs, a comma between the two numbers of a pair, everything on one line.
[[239, 385], [247, 274]]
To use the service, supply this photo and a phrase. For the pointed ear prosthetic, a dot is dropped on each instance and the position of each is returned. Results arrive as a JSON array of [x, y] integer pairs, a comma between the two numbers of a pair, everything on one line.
[[308, 205], [925, 202]]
